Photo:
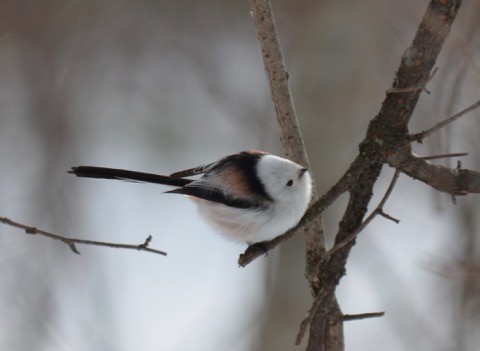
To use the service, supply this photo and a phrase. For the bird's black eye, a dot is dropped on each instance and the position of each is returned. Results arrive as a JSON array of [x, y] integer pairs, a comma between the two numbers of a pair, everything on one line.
[[290, 183]]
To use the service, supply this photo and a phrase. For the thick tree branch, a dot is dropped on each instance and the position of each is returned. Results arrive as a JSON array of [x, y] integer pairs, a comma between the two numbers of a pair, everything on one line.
[[70, 242], [416, 64], [387, 141], [451, 181], [333, 268]]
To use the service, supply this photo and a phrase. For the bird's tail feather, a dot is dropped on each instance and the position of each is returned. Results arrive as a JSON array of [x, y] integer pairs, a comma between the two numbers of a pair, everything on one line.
[[123, 174]]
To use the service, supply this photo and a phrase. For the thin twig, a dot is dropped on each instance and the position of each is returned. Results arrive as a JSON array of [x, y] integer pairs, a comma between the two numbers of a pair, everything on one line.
[[70, 242], [377, 211], [354, 317], [435, 157], [422, 135]]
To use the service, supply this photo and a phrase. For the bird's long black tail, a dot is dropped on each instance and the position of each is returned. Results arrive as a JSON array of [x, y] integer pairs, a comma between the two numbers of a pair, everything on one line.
[[123, 174]]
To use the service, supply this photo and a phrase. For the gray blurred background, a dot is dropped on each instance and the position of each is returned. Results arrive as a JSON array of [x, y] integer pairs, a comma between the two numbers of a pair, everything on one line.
[[159, 86]]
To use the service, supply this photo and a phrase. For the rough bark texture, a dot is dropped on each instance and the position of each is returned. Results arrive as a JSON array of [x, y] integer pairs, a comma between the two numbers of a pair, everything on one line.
[[387, 142]]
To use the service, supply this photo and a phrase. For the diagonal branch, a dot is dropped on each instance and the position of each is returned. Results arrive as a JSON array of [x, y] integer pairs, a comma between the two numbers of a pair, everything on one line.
[[422, 135], [342, 186], [292, 142], [70, 242], [387, 141], [415, 68], [287, 122], [386, 135], [378, 211]]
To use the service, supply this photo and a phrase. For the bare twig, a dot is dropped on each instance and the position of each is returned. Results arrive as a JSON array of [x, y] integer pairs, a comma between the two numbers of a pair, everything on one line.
[[377, 211], [422, 135], [354, 317], [436, 157], [70, 242]]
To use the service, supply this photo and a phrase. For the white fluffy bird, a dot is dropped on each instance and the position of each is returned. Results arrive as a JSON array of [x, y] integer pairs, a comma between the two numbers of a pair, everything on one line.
[[250, 196]]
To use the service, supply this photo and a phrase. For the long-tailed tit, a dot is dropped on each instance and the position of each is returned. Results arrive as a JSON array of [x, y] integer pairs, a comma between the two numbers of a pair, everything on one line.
[[251, 196]]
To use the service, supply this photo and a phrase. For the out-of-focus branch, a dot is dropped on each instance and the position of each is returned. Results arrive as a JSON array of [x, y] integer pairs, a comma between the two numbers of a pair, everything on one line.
[[70, 242]]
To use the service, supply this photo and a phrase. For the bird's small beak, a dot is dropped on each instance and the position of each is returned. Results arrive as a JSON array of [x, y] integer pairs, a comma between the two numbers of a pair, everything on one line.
[[302, 172]]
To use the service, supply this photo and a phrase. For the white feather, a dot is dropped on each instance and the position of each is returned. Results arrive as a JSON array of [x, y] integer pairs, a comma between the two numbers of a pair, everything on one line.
[[276, 217]]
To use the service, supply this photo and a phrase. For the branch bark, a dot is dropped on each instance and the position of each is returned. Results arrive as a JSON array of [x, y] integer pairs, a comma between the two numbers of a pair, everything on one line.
[[387, 141], [292, 142], [287, 122]]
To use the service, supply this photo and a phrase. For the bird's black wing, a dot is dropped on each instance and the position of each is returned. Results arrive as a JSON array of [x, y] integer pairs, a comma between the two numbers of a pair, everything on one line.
[[122, 174], [194, 171], [214, 195]]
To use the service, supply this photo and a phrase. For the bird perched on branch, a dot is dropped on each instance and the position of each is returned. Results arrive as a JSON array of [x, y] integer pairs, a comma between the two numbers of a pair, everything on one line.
[[250, 196]]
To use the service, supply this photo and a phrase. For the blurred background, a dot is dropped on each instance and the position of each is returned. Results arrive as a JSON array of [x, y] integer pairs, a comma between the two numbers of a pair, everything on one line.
[[158, 86]]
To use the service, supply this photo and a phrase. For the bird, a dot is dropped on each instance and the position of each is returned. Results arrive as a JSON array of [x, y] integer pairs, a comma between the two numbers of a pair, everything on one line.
[[250, 196]]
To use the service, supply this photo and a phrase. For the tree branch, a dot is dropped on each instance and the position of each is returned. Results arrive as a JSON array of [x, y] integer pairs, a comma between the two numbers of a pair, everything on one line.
[[378, 211], [291, 139], [422, 135], [452, 181], [385, 136], [415, 67], [387, 141], [342, 186], [70, 242], [333, 267], [455, 154], [287, 122], [354, 317]]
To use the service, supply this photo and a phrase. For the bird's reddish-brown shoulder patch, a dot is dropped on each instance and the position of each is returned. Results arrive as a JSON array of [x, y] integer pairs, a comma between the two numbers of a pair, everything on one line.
[[235, 179]]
